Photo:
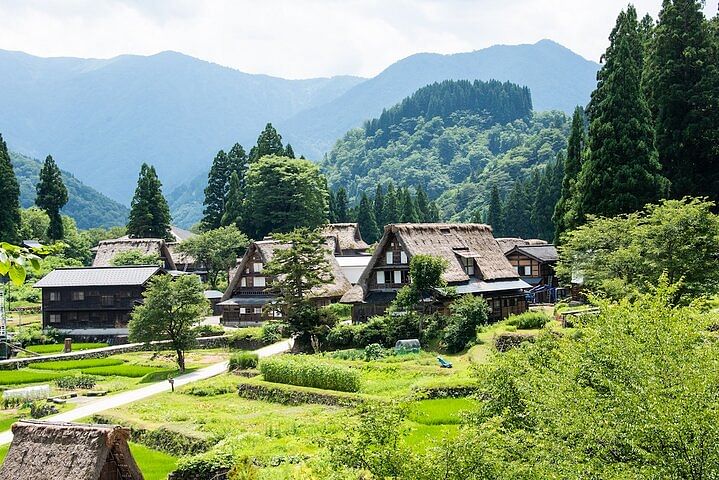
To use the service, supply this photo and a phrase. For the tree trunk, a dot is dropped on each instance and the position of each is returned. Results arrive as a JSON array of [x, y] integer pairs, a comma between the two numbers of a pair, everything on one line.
[[181, 360]]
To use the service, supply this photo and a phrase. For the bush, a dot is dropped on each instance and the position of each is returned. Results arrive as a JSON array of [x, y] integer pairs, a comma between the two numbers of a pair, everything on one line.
[[374, 331], [468, 314], [529, 320], [341, 336], [292, 395], [42, 410], [374, 351], [272, 332], [243, 361], [401, 326], [307, 372], [34, 335], [340, 310], [76, 381], [208, 330]]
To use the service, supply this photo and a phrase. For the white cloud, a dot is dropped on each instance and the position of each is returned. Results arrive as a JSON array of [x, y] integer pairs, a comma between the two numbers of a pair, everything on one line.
[[303, 38]]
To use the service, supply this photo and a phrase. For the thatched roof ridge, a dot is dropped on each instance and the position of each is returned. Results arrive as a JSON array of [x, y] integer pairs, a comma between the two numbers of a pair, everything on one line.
[[107, 249], [179, 257], [43, 450], [508, 243], [347, 234], [266, 248]]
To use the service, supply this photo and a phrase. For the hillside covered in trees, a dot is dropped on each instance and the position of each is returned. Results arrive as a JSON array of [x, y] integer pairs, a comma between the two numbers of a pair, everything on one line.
[[456, 140], [88, 207]]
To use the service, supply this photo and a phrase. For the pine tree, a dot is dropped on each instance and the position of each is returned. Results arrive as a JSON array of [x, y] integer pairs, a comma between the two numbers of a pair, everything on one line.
[[236, 162], [9, 198], [268, 143], [289, 152], [409, 212], [216, 192], [378, 205], [544, 204], [332, 201], [433, 212], [621, 172], [494, 212], [149, 213], [565, 213], [422, 204], [390, 213], [51, 197], [682, 78], [233, 207], [342, 206], [366, 221], [517, 212]]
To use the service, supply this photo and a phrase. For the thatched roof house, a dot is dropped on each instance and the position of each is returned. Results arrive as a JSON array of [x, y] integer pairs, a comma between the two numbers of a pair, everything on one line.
[[247, 293], [508, 243], [108, 249], [475, 265], [69, 451], [348, 237]]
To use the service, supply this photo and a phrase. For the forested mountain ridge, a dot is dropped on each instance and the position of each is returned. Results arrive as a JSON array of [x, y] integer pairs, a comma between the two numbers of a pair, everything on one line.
[[457, 156], [104, 118], [88, 207]]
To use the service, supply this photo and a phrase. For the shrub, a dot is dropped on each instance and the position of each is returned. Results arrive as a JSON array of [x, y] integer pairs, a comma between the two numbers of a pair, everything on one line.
[[76, 381], [374, 331], [307, 372], [292, 395], [341, 336], [272, 332], [243, 361], [340, 310], [468, 314], [208, 330], [374, 351], [34, 335], [42, 410], [401, 326], [349, 354], [529, 320]]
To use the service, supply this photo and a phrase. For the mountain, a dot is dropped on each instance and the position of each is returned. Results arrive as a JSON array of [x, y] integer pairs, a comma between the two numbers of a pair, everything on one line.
[[455, 139], [558, 79], [101, 119], [86, 205], [186, 201]]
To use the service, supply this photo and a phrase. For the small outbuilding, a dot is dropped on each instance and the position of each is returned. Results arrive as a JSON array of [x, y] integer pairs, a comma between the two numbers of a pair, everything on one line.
[[411, 345], [44, 450]]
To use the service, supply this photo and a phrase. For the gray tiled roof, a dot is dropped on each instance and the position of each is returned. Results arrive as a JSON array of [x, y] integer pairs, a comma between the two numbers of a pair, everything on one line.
[[545, 253], [97, 276]]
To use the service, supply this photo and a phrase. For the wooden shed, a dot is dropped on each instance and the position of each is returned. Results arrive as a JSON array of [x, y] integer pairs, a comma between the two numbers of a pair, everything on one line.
[[69, 451]]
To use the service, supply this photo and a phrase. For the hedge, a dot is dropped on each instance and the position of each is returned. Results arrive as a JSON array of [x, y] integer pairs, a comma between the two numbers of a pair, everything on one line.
[[306, 372], [292, 395], [529, 320]]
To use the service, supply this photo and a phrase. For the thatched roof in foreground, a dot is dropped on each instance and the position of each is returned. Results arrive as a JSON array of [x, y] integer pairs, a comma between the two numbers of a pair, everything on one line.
[[68, 451], [348, 236], [266, 248], [107, 249]]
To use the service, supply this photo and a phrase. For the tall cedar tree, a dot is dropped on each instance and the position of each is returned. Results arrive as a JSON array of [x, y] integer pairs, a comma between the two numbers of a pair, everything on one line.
[[285, 194], [494, 213], [9, 198], [682, 78], [216, 192], [621, 172], [543, 205], [342, 206], [565, 213], [268, 143], [296, 270], [366, 220], [149, 213], [422, 203], [391, 213], [233, 206], [379, 207], [409, 209], [289, 153], [51, 197], [332, 202]]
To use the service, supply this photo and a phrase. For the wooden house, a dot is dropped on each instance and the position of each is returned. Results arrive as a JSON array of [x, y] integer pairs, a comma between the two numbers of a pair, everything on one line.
[[50, 450], [535, 262], [93, 302], [248, 292], [475, 265]]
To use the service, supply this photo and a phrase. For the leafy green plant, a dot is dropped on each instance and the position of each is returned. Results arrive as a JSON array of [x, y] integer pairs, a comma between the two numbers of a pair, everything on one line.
[[308, 372], [529, 320], [76, 381], [272, 332], [243, 361], [374, 351]]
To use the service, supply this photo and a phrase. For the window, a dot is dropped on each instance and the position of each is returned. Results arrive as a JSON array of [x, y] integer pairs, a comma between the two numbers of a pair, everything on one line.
[[380, 277], [259, 281], [257, 266], [243, 282], [257, 310], [524, 270], [54, 296], [243, 310], [54, 318], [398, 276], [107, 300], [390, 258], [78, 296], [402, 257], [468, 264]]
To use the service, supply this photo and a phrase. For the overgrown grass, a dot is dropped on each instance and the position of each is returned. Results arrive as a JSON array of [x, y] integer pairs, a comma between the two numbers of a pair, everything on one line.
[[305, 371], [21, 377], [529, 320], [153, 464], [76, 364], [59, 347], [445, 411], [132, 371]]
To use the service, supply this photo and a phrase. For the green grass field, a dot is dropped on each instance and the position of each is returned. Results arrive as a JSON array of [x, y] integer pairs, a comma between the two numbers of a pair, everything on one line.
[[59, 347], [77, 364], [445, 411], [132, 371], [25, 376]]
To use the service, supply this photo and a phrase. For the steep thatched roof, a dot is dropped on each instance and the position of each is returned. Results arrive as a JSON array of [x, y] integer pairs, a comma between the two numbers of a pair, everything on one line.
[[180, 258], [348, 236], [107, 249], [508, 243], [46, 450], [266, 248]]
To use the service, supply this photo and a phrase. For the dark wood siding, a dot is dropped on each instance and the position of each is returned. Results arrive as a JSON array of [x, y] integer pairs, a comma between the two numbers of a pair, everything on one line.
[[89, 307]]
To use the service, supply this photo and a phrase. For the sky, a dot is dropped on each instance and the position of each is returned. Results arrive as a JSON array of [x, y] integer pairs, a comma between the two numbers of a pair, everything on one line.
[[304, 38]]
